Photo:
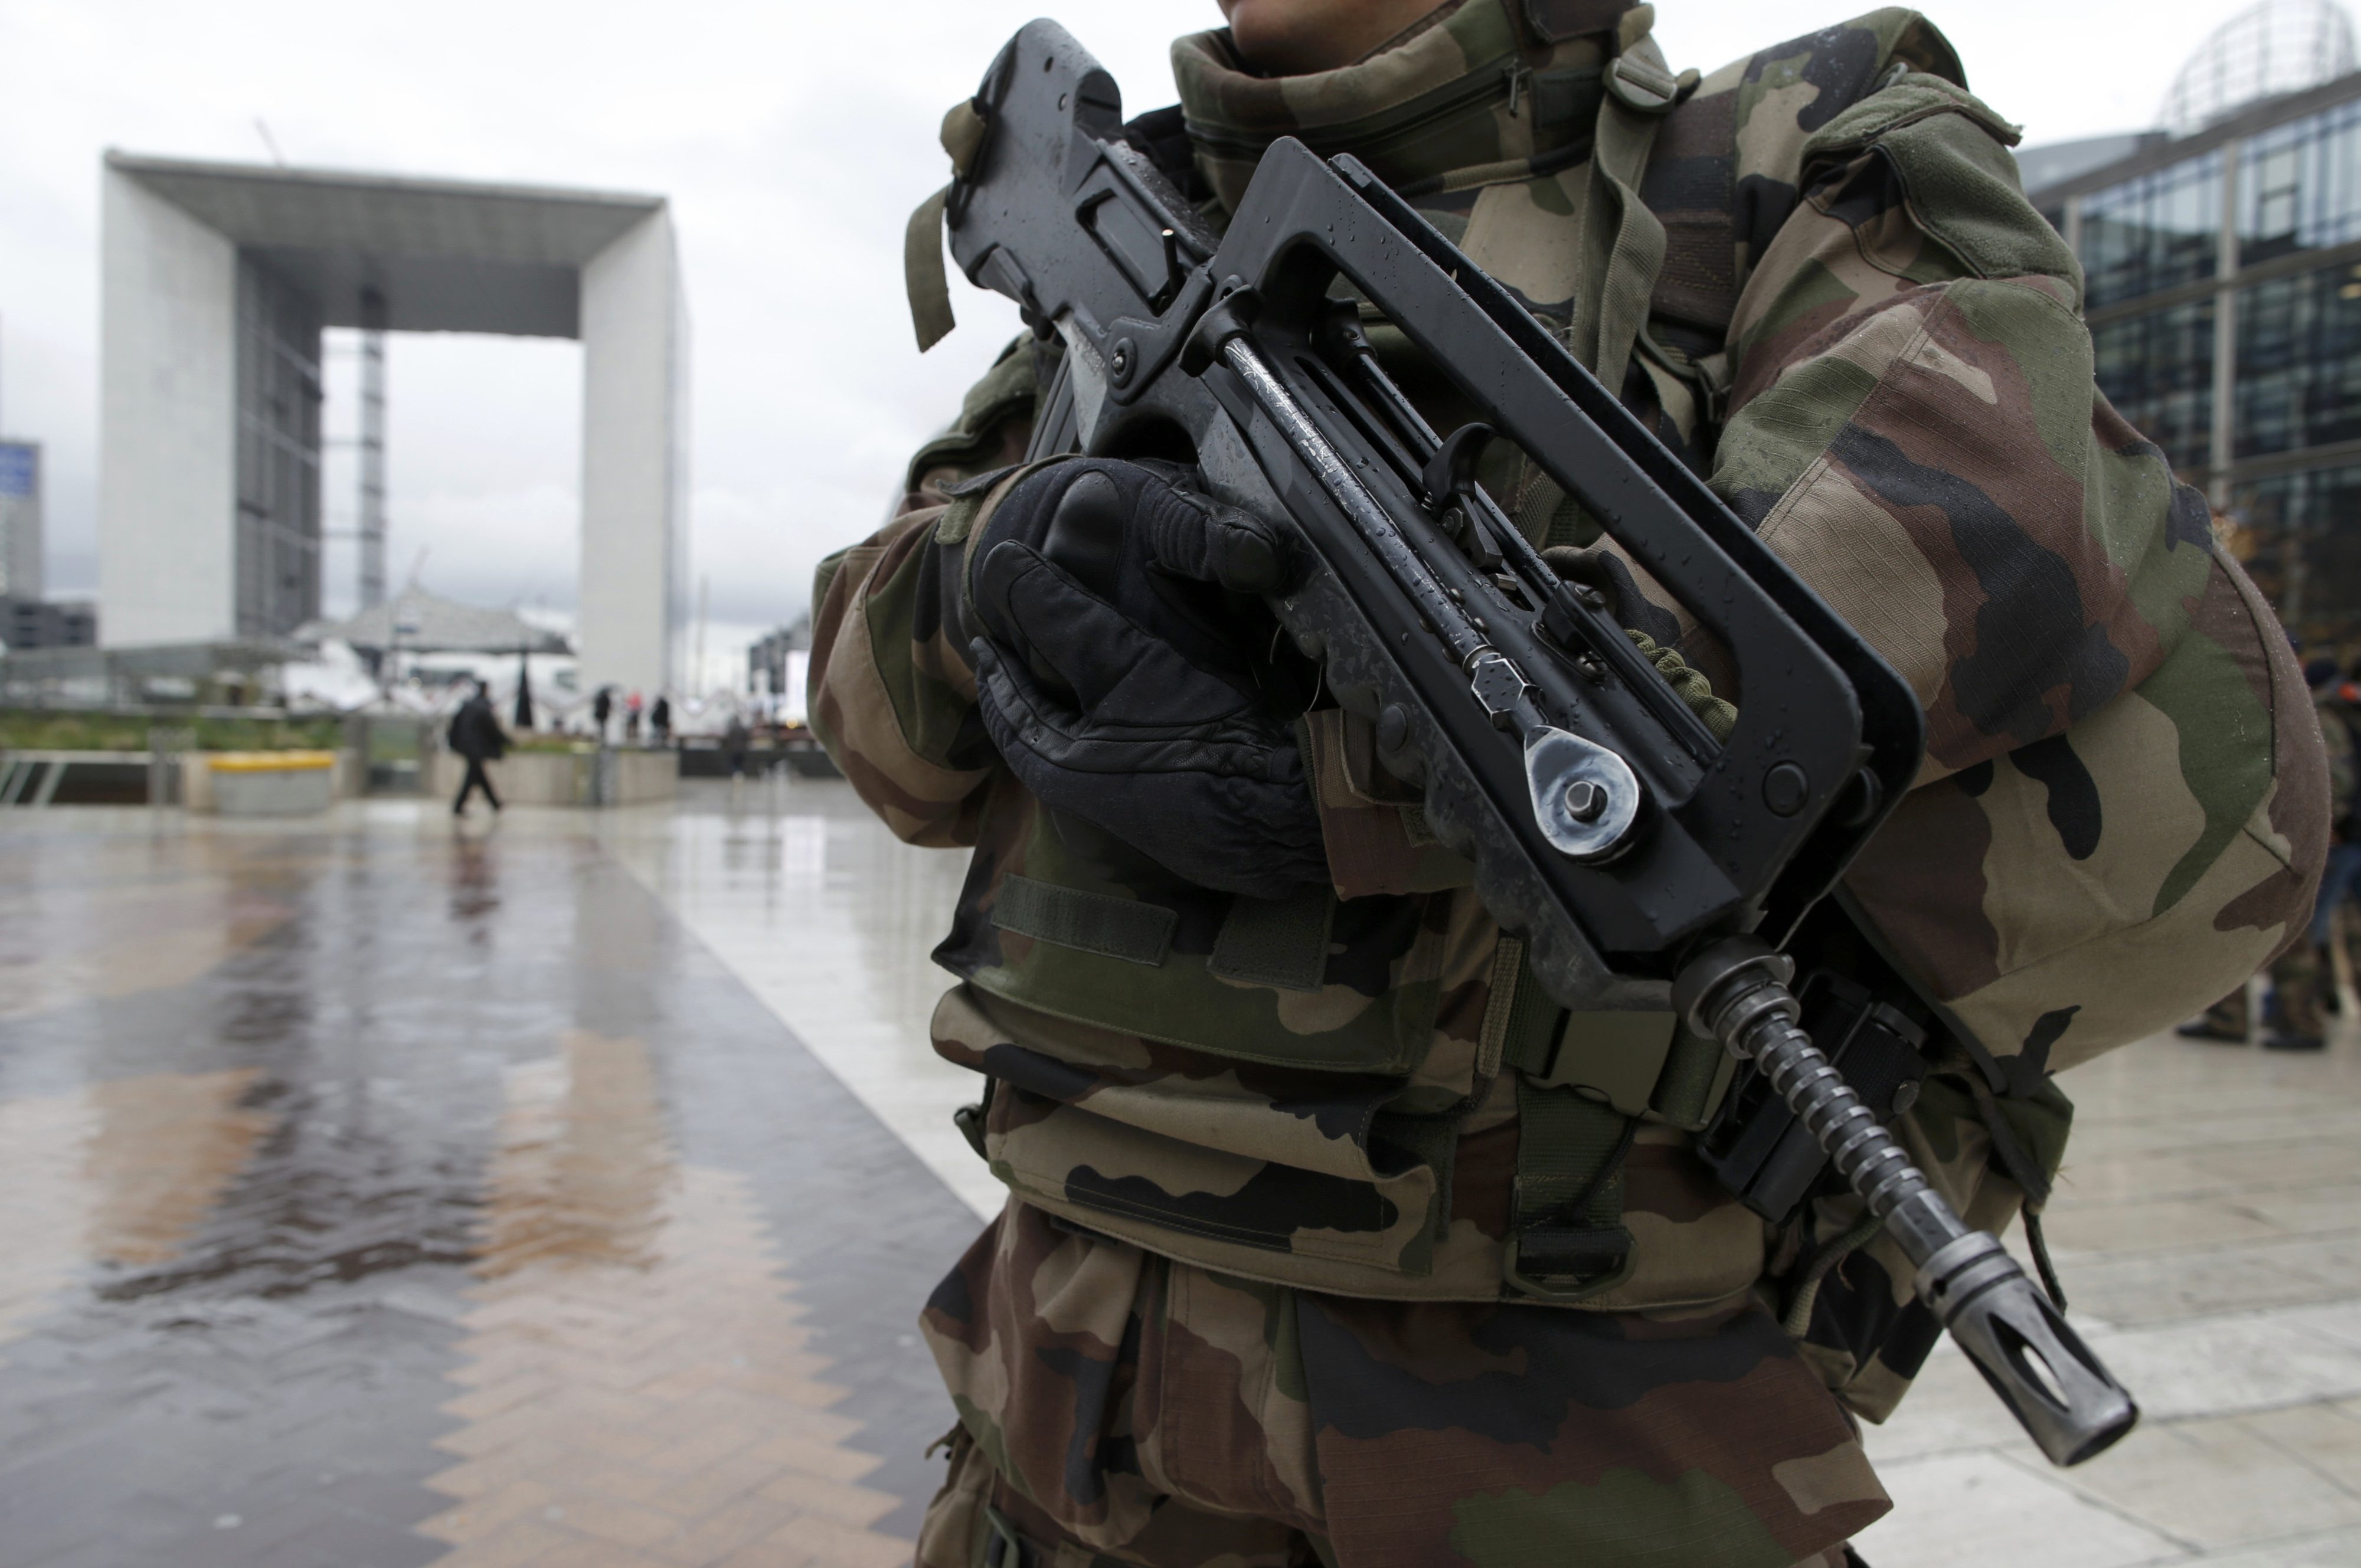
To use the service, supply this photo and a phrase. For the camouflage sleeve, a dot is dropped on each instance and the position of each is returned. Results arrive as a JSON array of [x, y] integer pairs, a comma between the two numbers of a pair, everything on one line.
[[889, 692], [1912, 424], [2124, 806]]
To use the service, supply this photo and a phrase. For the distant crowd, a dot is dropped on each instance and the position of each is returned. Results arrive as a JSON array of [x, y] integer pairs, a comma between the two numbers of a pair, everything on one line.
[[2301, 991]]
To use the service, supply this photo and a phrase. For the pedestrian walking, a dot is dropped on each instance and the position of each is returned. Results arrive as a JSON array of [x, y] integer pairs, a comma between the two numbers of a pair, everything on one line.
[[631, 719], [475, 734], [733, 745], [602, 708], [660, 719]]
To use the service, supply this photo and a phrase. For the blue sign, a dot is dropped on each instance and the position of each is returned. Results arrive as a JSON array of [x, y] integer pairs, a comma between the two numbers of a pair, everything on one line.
[[21, 468]]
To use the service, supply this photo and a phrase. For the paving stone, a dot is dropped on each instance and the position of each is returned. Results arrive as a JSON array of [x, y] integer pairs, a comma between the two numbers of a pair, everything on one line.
[[2324, 1438], [1970, 1510], [2219, 1365], [2337, 1549], [2215, 1483]]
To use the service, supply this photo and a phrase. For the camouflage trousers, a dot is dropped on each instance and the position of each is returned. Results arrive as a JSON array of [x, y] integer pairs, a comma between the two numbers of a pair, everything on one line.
[[1116, 1406], [2301, 981]]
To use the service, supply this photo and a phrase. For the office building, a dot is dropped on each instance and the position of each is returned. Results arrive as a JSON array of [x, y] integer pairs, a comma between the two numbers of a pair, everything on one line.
[[29, 623], [21, 520], [771, 668], [2223, 261]]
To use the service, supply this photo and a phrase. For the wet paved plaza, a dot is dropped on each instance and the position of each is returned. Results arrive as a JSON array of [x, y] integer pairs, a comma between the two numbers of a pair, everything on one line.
[[563, 1191], [383, 1196]]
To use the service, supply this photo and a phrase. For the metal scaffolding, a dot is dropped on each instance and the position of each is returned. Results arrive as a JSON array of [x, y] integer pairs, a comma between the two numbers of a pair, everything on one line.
[[372, 448]]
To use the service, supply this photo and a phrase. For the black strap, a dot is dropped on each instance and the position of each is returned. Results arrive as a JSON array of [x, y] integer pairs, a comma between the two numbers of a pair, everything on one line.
[[2019, 1167], [1279, 942], [1125, 928], [1570, 1241]]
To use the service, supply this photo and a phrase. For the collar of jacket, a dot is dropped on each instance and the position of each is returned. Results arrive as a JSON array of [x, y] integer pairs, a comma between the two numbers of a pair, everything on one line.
[[1483, 82]]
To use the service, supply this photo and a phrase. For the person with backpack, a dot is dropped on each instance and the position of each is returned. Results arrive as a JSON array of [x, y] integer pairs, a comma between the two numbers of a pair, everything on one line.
[[735, 740], [1276, 1099], [476, 735]]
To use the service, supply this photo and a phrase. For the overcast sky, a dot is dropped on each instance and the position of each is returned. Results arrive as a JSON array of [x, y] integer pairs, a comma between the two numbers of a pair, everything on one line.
[[792, 139]]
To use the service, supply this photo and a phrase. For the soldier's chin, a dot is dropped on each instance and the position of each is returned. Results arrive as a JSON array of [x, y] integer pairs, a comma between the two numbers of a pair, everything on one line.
[[1295, 37]]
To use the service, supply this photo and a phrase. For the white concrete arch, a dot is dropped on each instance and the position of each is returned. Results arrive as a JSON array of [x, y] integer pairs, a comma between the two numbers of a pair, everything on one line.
[[217, 279]]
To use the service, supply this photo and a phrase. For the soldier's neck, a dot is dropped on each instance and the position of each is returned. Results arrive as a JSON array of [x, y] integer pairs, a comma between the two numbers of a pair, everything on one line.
[[1459, 86], [1296, 37]]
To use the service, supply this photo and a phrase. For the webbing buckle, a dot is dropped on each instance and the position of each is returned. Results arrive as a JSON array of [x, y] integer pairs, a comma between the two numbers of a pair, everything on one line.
[[1569, 1263], [1646, 88], [1002, 1547]]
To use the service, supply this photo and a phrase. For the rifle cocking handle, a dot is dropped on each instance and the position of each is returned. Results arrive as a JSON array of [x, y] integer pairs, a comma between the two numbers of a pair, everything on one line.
[[1452, 470]]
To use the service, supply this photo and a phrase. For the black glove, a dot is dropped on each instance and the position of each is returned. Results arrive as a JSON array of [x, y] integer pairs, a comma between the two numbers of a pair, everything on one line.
[[1111, 676]]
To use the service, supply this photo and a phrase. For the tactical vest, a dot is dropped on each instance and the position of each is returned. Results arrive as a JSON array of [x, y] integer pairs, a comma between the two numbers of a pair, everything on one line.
[[1336, 1094]]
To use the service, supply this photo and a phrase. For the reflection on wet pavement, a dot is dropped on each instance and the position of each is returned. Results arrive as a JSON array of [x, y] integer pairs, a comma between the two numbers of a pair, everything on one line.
[[640, 1379], [828, 920], [583, 1168], [43, 1231], [160, 1152], [383, 1196], [120, 1173], [110, 940]]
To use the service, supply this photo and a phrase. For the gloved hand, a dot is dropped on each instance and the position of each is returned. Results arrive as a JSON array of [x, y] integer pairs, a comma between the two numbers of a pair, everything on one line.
[[1111, 677]]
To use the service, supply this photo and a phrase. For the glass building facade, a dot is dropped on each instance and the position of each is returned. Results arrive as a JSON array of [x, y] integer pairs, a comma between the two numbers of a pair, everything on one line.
[[2224, 274]]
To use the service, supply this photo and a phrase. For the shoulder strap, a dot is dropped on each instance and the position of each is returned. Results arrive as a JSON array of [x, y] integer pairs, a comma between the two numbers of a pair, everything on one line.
[[923, 276], [1622, 241]]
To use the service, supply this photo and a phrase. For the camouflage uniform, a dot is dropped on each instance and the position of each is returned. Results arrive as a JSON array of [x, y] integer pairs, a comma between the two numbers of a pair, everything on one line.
[[1255, 1297], [2302, 978]]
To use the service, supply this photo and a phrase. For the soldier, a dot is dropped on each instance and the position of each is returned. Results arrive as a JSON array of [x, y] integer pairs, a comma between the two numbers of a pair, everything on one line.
[[2306, 978], [1331, 1237]]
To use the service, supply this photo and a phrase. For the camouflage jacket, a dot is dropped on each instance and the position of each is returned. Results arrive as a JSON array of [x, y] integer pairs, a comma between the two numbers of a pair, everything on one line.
[[1872, 345]]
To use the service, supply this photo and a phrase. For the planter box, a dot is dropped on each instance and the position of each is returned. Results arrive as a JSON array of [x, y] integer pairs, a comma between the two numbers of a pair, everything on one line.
[[608, 777], [198, 778], [272, 784]]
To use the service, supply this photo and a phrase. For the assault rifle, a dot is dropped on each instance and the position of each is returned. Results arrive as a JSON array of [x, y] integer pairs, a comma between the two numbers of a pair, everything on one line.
[[1644, 865]]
